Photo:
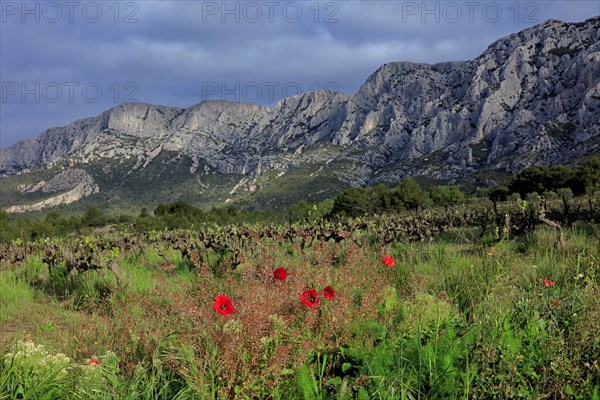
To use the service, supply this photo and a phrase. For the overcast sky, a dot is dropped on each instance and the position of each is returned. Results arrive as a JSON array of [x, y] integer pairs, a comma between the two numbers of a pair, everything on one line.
[[65, 60]]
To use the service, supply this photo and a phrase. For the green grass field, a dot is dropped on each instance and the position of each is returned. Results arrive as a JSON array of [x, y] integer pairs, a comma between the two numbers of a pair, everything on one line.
[[452, 319]]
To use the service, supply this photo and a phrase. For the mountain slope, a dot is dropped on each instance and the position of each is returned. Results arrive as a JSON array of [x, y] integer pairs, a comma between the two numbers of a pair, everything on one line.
[[532, 97]]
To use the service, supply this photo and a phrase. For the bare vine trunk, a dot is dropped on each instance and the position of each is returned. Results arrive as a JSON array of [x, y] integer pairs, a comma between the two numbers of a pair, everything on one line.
[[542, 216]]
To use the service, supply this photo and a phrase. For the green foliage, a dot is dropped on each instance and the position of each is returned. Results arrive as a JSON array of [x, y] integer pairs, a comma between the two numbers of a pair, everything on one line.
[[411, 195], [380, 199], [589, 173], [93, 217], [352, 202], [542, 179], [4, 217], [183, 215], [457, 318], [30, 371], [446, 195], [449, 320], [298, 211], [308, 384], [498, 194], [17, 227], [166, 216], [423, 364], [302, 211], [178, 208]]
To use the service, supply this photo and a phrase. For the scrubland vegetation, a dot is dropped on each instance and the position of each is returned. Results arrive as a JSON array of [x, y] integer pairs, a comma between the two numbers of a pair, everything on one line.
[[457, 298]]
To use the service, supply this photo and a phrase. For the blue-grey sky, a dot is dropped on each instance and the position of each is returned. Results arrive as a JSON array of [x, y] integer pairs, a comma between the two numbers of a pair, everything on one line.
[[65, 60]]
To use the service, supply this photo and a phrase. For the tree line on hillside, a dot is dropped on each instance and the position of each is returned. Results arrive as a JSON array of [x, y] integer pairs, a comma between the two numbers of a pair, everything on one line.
[[549, 181], [560, 181], [176, 215], [582, 179], [379, 199]]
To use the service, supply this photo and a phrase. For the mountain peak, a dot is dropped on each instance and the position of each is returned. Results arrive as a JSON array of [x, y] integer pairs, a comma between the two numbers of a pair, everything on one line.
[[530, 98]]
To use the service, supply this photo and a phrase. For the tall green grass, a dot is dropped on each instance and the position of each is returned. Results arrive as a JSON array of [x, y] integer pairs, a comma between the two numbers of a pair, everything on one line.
[[453, 319]]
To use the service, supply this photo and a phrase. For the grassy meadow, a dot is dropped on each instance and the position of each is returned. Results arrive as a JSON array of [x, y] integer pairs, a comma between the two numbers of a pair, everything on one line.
[[451, 319]]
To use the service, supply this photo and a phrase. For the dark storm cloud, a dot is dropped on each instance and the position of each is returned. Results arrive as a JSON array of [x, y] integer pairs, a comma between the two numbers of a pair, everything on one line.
[[182, 52]]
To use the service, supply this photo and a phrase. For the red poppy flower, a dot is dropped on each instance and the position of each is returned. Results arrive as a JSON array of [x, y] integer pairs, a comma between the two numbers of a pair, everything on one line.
[[329, 293], [94, 362], [388, 260], [280, 274], [223, 305], [310, 298], [547, 282]]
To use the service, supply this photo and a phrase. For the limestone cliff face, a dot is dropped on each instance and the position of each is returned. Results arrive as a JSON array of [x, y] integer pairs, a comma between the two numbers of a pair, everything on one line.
[[74, 184], [532, 97]]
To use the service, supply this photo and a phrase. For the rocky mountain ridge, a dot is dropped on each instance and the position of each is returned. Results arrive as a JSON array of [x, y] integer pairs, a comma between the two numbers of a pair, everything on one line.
[[532, 97]]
